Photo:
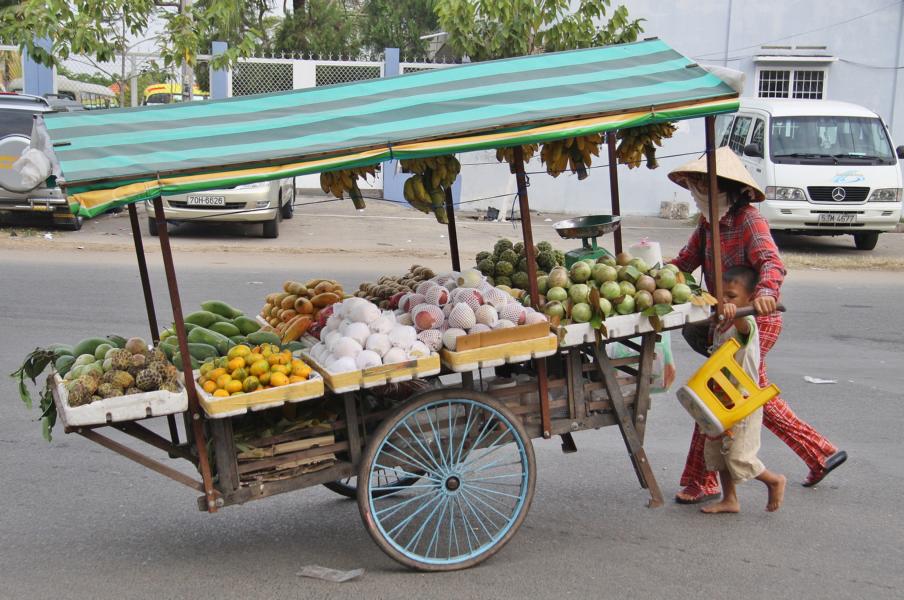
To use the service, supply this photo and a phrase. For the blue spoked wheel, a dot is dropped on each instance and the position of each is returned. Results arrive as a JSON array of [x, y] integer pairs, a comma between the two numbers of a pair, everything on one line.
[[476, 481]]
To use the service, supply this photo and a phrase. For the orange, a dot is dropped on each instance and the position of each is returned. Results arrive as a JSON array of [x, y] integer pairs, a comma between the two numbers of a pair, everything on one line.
[[222, 380], [238, 351], [239, 374], [254, 357], [236, 363], [209, 386], [264, 379], [280, 369], [251, 383], [238, 393], [233, 386], [206, 368], [273, 359], [277, 379], [300, 368], [216, 373], [260, 367], [296, 379], [220, 393]]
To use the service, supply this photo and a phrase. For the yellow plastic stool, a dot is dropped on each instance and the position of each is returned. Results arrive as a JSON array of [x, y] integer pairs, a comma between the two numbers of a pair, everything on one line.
[[699, 399]]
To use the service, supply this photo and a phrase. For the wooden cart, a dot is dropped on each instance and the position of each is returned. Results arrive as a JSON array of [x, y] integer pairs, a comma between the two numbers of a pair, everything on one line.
[[443, 476]]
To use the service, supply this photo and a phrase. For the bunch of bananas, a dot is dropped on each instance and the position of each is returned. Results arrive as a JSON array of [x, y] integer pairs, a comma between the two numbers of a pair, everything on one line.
[[346, 180], [572, 153], [426, 189], [639, 143], [508, 155]]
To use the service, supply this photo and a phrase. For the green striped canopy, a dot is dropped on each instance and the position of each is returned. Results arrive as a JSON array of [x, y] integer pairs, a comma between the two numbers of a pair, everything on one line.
[[125, 155]]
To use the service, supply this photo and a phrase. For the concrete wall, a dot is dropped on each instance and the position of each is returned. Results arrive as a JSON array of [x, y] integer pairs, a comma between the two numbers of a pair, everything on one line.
[[701, 30]]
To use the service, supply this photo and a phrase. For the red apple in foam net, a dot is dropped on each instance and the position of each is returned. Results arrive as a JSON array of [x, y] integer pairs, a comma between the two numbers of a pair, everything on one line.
[[394, 300]]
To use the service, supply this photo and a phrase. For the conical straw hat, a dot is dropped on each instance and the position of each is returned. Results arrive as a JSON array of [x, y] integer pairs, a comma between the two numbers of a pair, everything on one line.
[[728, 166]]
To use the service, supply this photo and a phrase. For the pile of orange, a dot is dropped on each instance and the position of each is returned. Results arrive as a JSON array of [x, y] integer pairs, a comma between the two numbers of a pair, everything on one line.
[[244, 370]]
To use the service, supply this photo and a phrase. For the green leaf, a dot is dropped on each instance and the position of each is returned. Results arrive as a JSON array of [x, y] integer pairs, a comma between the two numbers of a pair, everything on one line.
[[633, 272], [690, 279], [597, 320]]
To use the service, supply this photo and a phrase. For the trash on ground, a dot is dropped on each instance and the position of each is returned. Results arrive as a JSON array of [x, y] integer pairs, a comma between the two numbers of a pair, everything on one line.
[[48, 236], [318, 572], [809, 379]]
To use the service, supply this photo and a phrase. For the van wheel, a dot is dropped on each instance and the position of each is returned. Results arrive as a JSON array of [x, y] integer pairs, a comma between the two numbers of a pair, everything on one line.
[[866, 240], [152, 226], [271, 228], [288, 209], [69, 224]]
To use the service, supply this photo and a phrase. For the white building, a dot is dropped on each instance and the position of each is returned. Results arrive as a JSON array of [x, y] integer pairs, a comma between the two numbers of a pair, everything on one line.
[[819, 49]]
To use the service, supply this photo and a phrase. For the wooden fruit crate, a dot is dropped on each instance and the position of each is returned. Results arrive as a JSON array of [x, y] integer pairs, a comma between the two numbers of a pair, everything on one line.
[[286, 455], [350, 381], [462, 361], [231, 406]]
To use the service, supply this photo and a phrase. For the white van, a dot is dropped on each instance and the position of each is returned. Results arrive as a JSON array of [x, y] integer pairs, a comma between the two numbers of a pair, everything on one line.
[[828, 168]]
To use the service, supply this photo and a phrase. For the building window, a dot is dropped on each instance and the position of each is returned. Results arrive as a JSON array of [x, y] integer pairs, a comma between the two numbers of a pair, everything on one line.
[[807, 84]]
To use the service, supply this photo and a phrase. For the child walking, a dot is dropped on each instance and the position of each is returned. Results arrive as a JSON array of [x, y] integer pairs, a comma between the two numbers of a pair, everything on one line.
[[734, 453]]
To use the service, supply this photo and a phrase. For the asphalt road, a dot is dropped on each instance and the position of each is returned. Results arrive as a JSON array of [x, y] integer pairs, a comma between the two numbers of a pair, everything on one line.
[[78, 521]]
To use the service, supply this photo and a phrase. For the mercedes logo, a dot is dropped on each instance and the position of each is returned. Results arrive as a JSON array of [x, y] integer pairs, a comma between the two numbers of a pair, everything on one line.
[[838, 194]]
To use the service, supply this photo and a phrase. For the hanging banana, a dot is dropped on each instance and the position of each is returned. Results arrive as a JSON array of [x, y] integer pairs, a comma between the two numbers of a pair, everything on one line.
[[426, 189], [575, 154], [638, 144], [339, 182], [508, 155]]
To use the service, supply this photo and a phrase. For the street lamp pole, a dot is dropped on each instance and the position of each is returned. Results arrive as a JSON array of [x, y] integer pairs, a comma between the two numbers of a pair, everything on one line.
[[188, 73]]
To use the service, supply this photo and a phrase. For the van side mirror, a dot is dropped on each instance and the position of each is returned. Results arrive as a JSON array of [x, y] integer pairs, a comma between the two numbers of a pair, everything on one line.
[[753, 150], [900, 151]]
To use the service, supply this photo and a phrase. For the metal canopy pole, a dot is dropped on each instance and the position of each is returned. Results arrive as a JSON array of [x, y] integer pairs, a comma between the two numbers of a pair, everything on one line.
[[453, 233], [613, 186], [149, 301], [194, 407], [713, 209], [531, 256]]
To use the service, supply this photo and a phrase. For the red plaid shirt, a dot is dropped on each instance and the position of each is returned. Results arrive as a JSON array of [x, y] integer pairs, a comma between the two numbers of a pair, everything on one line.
[[746, 241]]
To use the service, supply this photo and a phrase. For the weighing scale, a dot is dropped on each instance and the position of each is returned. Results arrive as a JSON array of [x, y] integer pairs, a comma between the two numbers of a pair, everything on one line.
[[588, 229]]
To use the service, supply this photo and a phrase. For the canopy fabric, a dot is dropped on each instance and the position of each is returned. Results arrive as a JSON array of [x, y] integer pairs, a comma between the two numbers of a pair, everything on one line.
[[126, 155]]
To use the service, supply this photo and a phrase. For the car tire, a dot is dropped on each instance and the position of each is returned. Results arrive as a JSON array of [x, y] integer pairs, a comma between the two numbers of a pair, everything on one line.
[[866, 240], [288, 208], [271, 228], [69, 224], [152, 226]]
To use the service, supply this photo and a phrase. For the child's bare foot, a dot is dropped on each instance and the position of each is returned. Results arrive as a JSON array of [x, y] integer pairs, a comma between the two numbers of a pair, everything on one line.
[[730, 505], [776, 493]]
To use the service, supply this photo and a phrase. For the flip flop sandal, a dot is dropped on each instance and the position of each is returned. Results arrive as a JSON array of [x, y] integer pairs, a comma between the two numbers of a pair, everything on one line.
[[832, 463]]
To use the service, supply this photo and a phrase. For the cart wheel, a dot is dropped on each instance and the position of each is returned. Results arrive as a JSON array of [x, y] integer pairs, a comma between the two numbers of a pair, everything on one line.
[[348, 487], [477, 482]]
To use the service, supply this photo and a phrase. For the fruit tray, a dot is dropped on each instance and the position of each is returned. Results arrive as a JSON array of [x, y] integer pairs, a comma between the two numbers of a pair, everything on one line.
[[500, 354], [625, 326], [350, 381], [231, 406], [120, 408]]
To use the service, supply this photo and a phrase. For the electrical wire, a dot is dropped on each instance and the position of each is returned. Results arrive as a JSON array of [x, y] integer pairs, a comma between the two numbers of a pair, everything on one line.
[[779, 39]]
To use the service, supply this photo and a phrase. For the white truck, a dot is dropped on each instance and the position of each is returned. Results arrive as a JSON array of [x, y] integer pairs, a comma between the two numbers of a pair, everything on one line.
[[828, 168]]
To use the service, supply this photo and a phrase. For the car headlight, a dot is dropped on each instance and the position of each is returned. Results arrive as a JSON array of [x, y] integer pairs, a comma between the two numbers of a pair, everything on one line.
[[886, 195], [784, 193], [253, 186]]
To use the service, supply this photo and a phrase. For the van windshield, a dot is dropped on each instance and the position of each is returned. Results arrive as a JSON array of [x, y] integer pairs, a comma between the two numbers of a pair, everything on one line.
[[16, 121], [830, 140]]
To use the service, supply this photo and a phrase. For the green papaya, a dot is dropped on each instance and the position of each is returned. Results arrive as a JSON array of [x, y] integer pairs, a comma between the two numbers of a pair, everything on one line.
[[246, 325], [88, 345], [177, 362], [63, 364], [221, 308], [117, 340], [239, 339], [294, 346], [206, 336], [226, 328], [61, 349], [263, 337], [203, 318]]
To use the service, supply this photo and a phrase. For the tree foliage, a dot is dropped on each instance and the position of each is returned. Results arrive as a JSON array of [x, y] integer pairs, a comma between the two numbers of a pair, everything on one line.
[[325, 27], [487, 29], [398, 24], [103, 28]]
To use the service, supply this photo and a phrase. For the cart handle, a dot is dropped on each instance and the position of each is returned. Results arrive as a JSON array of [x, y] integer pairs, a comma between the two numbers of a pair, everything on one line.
[[749, 311]]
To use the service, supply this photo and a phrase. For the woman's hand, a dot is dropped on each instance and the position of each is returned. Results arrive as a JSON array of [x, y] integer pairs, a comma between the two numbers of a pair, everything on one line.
[[764, 305]]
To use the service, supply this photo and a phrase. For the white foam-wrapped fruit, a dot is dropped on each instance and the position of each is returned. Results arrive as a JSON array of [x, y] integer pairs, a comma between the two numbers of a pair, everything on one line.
[[462, 316]]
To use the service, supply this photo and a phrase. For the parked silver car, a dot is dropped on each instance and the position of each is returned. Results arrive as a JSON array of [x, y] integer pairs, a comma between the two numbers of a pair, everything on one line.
[[266, 202], [17, 115]]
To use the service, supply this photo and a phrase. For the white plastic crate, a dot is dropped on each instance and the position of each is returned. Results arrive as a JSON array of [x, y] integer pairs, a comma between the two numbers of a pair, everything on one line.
[[121, 408]]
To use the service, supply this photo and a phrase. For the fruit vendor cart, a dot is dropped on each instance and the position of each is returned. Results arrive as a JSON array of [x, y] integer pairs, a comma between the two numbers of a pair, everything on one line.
[[437, 451]]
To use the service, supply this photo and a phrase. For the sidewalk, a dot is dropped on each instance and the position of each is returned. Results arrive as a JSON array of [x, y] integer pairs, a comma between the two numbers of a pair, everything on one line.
[[388, 229]]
